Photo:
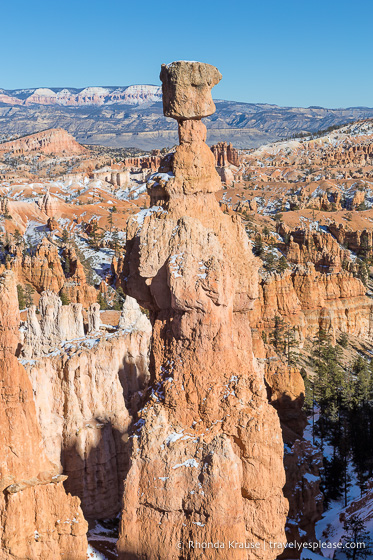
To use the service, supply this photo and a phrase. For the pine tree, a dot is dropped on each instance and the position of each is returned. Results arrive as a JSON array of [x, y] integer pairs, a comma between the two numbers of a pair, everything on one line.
[[290, 345], [270, 261], [21, 297], [355, 532], [29, 292], [258, 248], [64, 299], [282, 264], [66, 266], [363, 383], [17, 236], [115, 239], [110, 219], [102, 301], [65, 236], [277, 336], [343, 340], [328, 382], [363, 271]]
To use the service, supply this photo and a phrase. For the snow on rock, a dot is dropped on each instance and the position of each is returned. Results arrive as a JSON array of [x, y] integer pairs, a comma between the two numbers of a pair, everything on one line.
[[187, 463]]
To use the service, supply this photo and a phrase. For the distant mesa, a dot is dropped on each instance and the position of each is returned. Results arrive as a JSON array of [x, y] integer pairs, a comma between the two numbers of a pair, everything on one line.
[[54, 141], [71, 97], [132, 116]]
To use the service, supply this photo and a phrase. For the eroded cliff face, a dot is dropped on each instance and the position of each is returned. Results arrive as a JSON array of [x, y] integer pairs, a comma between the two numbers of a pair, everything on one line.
[[307, 300], [206, 461], [44, 271], [53, 141], [86, 388], [38, 520]]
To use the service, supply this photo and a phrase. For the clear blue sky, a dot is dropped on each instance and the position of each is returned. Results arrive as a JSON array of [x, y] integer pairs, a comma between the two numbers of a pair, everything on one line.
[[286, 52]]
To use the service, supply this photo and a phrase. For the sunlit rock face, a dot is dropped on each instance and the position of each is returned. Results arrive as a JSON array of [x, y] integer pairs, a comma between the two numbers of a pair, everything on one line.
[[38, 520], [186, 89], [207, 451], [86, 390]]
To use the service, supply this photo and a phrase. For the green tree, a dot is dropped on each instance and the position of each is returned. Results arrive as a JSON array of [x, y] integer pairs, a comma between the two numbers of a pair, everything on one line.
[[277, 335], [29, 293], [290, 344], [64, 298], [101, 299], [110, 219], [21, 297], [66, 266], [270, 261], [258, 248], [115, 240], [363, 271], [282, 264], [17, 236], [65, 235], [343, 340]]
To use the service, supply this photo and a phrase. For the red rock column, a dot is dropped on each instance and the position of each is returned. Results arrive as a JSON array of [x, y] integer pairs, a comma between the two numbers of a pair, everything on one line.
[[38, 520], [207, 454]]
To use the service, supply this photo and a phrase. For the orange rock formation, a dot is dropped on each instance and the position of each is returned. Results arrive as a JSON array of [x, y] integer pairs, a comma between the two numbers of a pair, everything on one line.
[[38, 520], [86, 395], [54, 141], [225, 154], [44, 271], [207, 452]]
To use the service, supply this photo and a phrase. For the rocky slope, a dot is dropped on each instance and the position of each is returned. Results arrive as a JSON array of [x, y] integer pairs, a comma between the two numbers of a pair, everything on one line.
[[52, 141], [38, 520], [206, 433]]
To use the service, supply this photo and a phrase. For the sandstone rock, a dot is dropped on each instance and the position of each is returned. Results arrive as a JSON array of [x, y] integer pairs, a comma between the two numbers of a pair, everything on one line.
[[94, 319], [86, 397], [52, 141], [207, 449], [49, 205], [226, 175], [44, 272], [76, 287], [225, 154], [143, 162], [58, 323], [38, 519], [186, 88], [132, 318], [303, 246]]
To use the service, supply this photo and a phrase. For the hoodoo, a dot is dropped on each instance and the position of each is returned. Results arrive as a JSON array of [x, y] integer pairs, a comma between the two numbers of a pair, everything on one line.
[[207, 452], [38, 520]]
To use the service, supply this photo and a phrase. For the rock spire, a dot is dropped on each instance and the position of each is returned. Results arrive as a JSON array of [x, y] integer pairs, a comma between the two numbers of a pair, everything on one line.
[[207, 455]]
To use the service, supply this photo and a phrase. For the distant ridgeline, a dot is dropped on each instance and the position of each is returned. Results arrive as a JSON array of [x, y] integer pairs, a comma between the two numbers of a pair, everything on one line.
[[131, 116]]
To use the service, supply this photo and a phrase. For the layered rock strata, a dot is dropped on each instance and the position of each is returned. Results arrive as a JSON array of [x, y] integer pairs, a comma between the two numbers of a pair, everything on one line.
[[38, 520], [56, 324], [207, 453], [86, 394], [54, 141], [225, 154], [44, 271], [307, 300]]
